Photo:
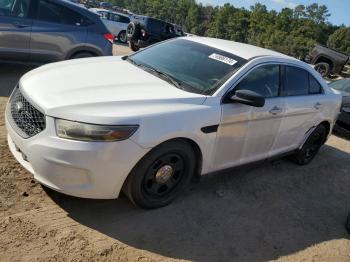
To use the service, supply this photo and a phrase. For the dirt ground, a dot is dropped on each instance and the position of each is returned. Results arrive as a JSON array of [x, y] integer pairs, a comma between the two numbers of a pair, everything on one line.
[[267, 211]]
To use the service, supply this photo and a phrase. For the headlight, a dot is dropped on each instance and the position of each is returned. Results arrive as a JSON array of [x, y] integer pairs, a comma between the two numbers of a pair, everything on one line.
[[346, 108], [88, 132]]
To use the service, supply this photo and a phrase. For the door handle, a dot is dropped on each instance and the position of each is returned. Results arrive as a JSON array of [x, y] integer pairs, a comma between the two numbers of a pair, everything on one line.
[[276, 110], [19, 25], [317, 106]]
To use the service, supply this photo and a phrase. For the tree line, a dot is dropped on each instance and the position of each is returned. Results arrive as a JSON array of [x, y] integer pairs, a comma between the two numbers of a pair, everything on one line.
[[290, 31]]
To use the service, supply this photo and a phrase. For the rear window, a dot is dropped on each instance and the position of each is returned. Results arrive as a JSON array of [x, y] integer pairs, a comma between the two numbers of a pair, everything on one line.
[[315, 86], [296, 81], [51, 12], [299, 82]]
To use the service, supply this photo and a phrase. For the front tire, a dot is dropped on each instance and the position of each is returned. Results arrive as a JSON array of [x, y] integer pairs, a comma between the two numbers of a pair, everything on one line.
[[161, 175], [311, 147]]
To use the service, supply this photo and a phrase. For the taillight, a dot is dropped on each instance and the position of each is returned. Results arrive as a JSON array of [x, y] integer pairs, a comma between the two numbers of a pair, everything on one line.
[[109, 37], [143, 33]]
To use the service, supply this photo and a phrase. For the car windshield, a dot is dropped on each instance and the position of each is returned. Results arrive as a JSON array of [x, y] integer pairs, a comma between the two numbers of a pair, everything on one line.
[[190, 66], [341, 85]]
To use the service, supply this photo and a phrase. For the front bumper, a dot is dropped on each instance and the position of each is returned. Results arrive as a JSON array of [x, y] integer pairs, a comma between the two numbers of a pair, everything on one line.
[[82, 169]]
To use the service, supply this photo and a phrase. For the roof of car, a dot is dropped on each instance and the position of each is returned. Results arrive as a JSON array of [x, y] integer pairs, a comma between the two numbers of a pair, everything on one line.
[[243, 50]]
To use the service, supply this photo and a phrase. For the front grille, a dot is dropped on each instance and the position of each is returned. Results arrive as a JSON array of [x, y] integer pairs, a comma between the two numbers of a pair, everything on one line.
[[27, 120]]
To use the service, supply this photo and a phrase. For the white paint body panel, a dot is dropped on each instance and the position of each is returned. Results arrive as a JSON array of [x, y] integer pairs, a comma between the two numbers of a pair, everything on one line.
[[124, 94]]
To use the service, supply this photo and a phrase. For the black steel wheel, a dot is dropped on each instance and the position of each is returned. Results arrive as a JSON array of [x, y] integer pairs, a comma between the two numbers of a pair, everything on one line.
[[161, 175], [311, 147]]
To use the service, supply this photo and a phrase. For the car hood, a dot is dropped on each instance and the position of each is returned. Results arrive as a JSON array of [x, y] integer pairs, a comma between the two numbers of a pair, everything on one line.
[[102, 90]]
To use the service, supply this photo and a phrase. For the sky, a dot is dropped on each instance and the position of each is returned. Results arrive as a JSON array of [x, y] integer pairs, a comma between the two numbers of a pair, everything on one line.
[[339, 9]]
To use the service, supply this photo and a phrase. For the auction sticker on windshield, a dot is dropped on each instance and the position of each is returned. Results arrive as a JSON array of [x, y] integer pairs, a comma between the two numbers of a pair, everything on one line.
[[223, 59]]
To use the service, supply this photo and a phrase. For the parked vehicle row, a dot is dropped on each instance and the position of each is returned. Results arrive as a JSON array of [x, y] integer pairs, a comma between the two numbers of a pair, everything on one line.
[[343, 122], [45, 31], [144, 31], [116, 23], [166, 118], [327, 61]]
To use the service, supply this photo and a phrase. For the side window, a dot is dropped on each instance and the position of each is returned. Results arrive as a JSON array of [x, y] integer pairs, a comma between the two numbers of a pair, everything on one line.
[[263, 80], [124, 19], [103, 15], [14, 8], [296, 82], [315, 87], [51, 12]]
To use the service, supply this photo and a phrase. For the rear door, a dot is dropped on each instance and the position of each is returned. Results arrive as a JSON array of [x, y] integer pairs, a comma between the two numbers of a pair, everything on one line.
[[304, 101], [15, 29], [56, 31]]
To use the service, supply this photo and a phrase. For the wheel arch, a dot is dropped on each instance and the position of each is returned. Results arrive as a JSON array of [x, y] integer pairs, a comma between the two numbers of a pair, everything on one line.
[[83, 49], [327, 125], [194, 145], [324, 59]]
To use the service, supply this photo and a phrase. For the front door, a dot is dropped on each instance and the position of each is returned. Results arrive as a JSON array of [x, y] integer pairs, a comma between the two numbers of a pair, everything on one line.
[[15, 29], [247, 134]]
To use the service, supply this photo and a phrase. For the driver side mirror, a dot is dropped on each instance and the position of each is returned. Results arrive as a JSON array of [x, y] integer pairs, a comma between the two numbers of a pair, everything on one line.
[[248, 97]]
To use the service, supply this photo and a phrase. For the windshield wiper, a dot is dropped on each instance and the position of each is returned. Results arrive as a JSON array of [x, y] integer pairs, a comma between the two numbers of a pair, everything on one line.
[[177, 83], [167, 77]]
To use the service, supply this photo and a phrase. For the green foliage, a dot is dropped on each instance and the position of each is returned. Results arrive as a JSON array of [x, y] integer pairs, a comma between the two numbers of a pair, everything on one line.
[[340, 40], [291, 31]]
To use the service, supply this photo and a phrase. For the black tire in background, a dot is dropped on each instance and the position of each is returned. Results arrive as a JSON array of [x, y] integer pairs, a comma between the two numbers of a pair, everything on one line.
[[133, 31], [122, 37], [323, 68], [347, 225], [133, 46], [311, 146], [161, 175]]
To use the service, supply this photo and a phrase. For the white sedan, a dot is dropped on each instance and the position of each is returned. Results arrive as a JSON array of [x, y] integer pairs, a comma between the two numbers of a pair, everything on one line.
[[116, 23], [149, 123]]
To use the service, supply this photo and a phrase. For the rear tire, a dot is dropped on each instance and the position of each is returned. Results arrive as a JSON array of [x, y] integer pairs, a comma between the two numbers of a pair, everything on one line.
[[311, 147], [133, 46], [82, 55], [323, 68], [347, 225], [161, 175]]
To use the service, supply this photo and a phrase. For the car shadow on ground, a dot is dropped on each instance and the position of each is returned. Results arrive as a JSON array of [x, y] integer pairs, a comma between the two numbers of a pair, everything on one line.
[[10, 75], [253, 213]]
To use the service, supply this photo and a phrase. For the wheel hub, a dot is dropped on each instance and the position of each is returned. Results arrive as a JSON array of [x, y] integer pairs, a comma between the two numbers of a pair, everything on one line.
[[164, 174]]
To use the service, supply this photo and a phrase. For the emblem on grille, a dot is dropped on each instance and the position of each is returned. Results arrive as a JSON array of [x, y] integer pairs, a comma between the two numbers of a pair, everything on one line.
[[18, 107]]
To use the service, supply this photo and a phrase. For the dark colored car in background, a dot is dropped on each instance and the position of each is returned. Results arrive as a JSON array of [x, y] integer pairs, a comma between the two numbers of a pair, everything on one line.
[[343, 86], [43, 31], [327, 61], [144, 31]]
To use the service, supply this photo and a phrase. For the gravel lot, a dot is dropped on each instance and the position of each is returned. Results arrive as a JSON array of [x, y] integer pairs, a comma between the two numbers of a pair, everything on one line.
[[267, 211]]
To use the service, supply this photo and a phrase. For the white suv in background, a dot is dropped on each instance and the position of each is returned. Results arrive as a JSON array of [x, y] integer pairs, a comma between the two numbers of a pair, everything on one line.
[[156, 119], [116, 23]]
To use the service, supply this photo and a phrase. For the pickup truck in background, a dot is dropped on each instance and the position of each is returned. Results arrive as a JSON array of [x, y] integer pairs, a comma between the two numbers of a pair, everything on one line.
[[327, 61]]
